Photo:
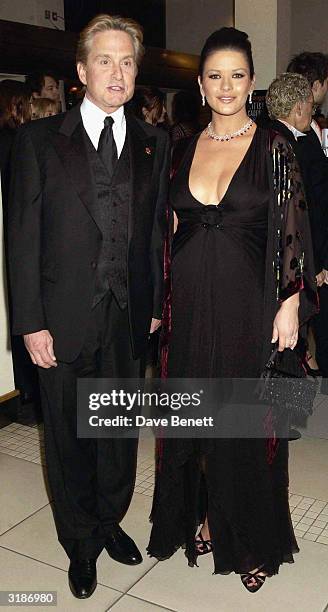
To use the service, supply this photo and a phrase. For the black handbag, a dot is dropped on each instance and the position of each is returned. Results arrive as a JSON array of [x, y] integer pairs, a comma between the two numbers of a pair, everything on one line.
[[285, 385]]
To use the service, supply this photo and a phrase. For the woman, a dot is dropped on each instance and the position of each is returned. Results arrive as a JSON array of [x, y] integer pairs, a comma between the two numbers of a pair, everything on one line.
[[44, 107], [15, 109], [234, 291], [148, 105], [185, 115]]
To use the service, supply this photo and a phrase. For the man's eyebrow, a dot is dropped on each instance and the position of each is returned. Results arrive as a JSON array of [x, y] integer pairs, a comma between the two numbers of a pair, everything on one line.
[[107, 56]]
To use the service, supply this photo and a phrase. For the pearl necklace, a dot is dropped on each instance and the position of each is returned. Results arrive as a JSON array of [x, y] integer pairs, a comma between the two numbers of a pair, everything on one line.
[[211, 134]]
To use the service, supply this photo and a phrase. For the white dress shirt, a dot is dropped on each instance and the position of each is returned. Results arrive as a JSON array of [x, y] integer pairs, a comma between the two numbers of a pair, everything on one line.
[[93, 121], [317, 129], [296, 133]]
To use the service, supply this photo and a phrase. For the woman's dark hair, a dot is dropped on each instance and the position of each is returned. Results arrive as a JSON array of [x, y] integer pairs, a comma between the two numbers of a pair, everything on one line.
[[149, 98], [227, 38], [15, 106]]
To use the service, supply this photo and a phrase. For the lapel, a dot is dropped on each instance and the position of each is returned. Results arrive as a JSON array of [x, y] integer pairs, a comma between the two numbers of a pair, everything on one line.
[[142, 149], [285, 131], [69, 142]]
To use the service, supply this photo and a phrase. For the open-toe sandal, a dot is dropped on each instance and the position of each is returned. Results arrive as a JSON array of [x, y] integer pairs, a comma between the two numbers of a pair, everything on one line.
[[203, 546], [253, 581]]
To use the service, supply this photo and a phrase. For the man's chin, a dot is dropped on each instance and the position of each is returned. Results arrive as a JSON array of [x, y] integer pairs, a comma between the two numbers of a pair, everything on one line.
[[116, 101]]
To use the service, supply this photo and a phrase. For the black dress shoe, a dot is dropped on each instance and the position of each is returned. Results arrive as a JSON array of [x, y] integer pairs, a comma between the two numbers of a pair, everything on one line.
[[122, 548], [82, 577]]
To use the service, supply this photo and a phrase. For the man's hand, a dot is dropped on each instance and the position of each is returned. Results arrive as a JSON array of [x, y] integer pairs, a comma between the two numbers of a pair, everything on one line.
[[155, 324], [40, 347]]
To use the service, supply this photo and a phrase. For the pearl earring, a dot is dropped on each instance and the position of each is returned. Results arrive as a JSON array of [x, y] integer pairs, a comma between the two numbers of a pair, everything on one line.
[[250, 97], [203, 100]]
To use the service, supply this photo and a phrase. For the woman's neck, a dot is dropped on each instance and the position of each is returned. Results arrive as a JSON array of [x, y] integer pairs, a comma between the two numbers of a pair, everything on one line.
[[222, 124]]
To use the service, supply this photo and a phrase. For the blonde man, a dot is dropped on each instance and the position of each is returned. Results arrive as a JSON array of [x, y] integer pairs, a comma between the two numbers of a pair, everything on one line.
[[290, 100], [87, 227]]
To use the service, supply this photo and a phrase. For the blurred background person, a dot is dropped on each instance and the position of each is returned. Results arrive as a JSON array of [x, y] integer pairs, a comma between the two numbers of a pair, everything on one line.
[[44, 107], [321, 120], [148, 104], [15, 109], [314, 67], [185, 115], [290, 105], [43, 85], [185, 118]]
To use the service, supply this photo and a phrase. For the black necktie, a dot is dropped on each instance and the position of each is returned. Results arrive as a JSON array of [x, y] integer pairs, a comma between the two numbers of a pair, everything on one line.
[[107, 146]]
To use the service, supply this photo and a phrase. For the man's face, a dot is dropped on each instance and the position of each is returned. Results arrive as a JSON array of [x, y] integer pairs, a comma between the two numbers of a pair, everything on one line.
[[319, 91], [50, 89], [304, 115], [110, 71]]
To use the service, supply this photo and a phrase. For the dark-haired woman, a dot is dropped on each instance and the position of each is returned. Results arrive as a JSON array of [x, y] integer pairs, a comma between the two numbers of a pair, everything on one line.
[[15, 109], [148, 105], [242, 277], [185, 115]]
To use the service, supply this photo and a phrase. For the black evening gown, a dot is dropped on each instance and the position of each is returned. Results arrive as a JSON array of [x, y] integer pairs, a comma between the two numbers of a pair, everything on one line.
[[218, 267]]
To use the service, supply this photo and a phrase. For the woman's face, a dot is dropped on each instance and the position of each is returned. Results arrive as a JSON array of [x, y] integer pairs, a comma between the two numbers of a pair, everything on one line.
[[155, 115], [226, 82]]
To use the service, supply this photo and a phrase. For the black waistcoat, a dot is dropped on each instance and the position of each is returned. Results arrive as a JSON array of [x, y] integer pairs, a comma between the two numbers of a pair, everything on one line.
[[111, 208]]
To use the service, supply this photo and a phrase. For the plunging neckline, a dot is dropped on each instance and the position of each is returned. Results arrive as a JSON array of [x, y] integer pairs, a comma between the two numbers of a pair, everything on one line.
[[217, 204]]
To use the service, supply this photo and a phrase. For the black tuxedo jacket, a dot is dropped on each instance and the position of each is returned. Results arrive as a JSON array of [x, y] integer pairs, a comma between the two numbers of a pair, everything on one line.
[[314, 170], [54, 238]]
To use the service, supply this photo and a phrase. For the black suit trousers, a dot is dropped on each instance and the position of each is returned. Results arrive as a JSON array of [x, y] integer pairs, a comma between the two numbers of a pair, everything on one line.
[[320, 325], [91, 480]]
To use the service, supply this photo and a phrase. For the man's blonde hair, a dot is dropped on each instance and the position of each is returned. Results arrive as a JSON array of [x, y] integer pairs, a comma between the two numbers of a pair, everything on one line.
[[284, 92], [105, 23]]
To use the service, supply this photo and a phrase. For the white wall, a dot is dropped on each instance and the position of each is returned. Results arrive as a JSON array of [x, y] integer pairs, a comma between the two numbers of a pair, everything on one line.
[[190, 22], [33, 12], [309, 26], [284, 33], [259, 19], [7, 384]]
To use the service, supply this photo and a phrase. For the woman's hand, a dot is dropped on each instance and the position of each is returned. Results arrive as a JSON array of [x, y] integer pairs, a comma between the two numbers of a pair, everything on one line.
[[326, 275], [175, 222], [321, 278], [285, 324]]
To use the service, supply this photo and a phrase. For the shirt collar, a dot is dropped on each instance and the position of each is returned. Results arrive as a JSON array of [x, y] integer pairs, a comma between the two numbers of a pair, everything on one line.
[[95, 113], [296, 133]]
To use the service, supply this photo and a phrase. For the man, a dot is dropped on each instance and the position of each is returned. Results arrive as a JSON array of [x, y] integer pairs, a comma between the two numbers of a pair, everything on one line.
[[88, 220], [289, 102], [314, 67], [314, 165], [43, 85]]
